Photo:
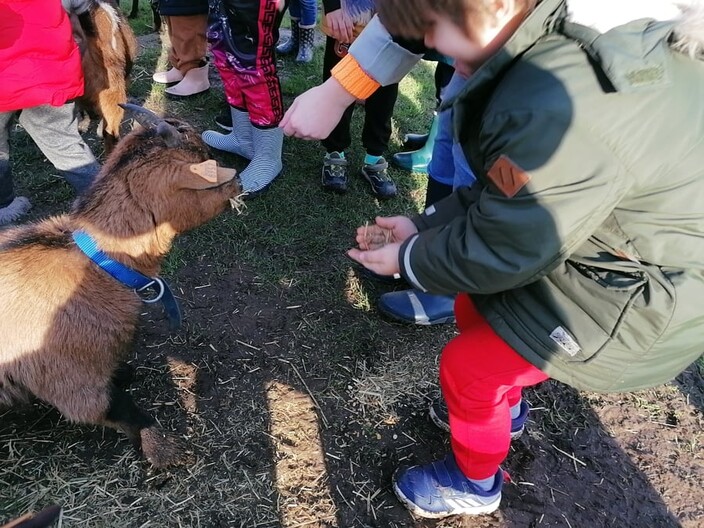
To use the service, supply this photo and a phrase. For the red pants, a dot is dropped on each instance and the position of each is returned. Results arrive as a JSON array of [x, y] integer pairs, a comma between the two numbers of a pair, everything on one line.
[[481, 378]]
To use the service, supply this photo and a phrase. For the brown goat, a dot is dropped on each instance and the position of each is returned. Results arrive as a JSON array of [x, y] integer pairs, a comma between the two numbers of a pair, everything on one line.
[[108, 48], [66, 325]]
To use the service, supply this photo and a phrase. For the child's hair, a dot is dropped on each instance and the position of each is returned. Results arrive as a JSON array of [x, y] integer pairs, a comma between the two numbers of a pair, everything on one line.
[[409, 18]]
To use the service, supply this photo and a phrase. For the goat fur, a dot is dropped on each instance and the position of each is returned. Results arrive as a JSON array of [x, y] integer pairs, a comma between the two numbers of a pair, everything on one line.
[[108, 50], [66, 325]]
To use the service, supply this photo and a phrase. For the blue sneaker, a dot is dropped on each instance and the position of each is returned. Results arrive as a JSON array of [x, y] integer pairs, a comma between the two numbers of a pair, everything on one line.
[[416, 307], [440, 489], [441, 417]]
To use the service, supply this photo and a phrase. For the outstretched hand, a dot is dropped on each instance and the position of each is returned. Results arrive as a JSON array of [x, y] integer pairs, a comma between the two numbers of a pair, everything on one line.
[[316, 112]]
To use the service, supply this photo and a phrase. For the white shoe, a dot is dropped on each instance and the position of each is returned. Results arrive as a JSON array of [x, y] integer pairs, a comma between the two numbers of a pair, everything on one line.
[[194, 82], [168, 77], [17, 208]]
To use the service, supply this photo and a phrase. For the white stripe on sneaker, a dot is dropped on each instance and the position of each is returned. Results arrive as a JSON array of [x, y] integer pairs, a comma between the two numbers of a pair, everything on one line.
[[419, 314]]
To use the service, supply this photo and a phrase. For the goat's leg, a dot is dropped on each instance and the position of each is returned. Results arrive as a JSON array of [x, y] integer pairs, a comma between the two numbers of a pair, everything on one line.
[[124, 375], [156, 17], [135, 9], [159, 449]]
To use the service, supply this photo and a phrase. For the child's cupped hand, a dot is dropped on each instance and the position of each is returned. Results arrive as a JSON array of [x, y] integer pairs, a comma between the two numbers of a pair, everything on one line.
[[382, 261], [385, 230], [379, 244]]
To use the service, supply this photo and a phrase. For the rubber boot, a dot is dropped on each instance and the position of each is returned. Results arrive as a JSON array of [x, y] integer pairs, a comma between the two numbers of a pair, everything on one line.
[[305, 44], [414, 141], [266, 164], [168, 77], [290, 47], [194, 82], [418, 160], [238, 141]]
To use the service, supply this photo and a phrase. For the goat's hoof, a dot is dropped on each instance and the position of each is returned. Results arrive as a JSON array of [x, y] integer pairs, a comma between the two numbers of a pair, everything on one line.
[[162, 450]]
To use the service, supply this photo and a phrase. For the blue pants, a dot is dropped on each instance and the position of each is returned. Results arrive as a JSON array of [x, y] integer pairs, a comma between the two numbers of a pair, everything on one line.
[[305, 11], [448, 164]]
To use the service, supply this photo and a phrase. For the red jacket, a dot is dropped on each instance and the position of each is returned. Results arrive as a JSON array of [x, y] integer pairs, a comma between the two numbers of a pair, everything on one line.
[[39, 61]]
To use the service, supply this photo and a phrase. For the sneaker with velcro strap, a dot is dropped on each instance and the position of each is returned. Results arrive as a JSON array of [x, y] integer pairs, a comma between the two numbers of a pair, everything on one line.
[[334, 174], [440, 489], [377, 174]]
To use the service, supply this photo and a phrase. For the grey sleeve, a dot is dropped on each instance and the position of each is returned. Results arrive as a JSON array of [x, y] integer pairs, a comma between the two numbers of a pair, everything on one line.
[[380, 57]]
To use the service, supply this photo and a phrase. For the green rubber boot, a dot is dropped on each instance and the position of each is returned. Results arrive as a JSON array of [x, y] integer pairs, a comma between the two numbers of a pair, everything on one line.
[[418, 160]]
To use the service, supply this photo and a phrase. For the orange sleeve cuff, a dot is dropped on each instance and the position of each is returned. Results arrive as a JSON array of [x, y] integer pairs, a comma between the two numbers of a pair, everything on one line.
[[353, 78]]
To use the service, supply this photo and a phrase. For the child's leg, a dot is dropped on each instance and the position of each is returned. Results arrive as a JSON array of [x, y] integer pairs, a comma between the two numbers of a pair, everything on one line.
[[308, 10], [481, 377], [243, 45], [339, 139], [378, 110], [242, 35], [7, 193], [188, 44], [55, 131]]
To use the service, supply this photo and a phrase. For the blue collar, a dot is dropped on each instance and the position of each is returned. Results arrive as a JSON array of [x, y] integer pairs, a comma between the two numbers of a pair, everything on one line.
[[131, 278]]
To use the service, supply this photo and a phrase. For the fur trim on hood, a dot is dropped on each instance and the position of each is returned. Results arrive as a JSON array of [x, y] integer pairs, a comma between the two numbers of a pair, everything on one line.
[[688, 36], [603, 15]]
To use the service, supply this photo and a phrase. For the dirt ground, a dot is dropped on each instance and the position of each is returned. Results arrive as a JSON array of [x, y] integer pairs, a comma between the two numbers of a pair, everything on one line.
[[296, 413], [587, 460], [259, 396]]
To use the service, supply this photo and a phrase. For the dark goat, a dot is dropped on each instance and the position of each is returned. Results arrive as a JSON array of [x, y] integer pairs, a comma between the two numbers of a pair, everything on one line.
[[66, 324], [154, 5], [109, 49]]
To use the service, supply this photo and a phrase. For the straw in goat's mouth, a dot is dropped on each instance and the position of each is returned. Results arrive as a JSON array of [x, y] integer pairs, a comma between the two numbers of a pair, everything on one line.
[[237, 203]]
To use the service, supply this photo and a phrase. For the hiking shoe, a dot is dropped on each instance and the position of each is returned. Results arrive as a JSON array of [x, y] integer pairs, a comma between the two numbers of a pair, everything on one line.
[[417, 307], [335, 173], [224, 120], [440, 489], [378, 177], [441, 417]]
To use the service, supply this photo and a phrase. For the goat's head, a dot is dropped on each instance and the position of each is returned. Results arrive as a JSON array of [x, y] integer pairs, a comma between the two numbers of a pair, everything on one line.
[[162, 171]]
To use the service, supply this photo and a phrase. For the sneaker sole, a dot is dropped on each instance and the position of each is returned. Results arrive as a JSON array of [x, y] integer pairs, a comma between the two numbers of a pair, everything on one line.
[[399, 319], [474, 510], [442, 424]]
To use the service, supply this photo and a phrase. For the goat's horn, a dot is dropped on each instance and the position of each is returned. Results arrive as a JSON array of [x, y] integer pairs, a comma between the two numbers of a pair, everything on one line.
[[144, 117]]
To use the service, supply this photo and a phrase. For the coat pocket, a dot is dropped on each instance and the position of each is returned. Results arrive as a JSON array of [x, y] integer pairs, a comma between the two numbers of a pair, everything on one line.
[[577, 309]]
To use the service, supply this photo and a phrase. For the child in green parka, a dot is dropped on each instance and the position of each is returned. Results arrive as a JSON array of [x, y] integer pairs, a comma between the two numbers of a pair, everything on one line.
[[579, 252]]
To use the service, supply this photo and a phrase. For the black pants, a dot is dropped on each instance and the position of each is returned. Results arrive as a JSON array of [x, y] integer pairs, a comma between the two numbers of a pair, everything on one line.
[[378, 110]]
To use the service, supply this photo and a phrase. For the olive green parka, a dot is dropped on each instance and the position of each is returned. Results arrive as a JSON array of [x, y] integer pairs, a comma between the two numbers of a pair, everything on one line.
[[582, 242]]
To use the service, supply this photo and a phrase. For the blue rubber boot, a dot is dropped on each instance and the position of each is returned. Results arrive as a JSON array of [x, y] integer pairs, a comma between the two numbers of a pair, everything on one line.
[[418, 160], [416, 307]]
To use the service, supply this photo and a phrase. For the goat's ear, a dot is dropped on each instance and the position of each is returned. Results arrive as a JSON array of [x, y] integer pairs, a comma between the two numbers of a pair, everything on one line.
[[169, 133], [206, 175]]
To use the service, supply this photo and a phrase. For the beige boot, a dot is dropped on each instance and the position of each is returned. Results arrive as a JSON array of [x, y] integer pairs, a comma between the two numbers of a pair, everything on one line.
[[194, 82], [168, 77]]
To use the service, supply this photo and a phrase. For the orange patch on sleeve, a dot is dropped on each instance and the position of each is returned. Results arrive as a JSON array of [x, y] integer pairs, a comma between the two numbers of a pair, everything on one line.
[[508, 177]]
